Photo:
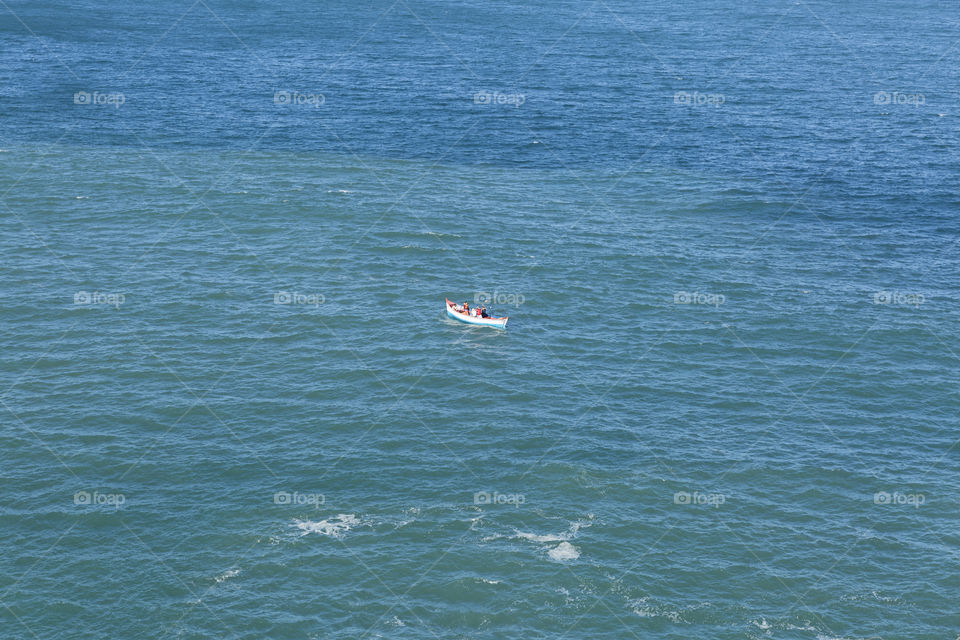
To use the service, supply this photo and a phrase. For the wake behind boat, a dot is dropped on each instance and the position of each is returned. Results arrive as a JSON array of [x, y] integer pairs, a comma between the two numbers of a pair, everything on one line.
[[463, 314]]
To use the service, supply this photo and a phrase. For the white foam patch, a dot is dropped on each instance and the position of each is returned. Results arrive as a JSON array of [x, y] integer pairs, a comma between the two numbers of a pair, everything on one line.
[[564, 552], [227, 575], [762, 624], [338, 191], [335, 527]]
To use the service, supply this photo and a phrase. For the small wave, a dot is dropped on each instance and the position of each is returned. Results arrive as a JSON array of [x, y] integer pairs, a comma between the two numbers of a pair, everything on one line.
[[563, 552], [580, 524], [334, 527], [644, 610], [873, 595], [532, 537], [339, 191], [559, 537]]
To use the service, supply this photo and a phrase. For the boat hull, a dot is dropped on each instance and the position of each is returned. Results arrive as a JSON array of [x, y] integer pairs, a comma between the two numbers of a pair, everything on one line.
[[499, 323]]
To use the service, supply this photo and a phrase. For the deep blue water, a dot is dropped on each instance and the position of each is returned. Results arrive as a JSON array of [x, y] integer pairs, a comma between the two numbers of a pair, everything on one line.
[[725, 404]]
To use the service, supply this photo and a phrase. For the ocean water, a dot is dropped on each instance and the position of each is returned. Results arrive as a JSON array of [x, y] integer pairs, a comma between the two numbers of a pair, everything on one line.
[[725, 404]]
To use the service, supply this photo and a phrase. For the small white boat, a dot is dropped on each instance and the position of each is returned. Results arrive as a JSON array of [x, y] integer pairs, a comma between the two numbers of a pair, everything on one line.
[[489, 321]]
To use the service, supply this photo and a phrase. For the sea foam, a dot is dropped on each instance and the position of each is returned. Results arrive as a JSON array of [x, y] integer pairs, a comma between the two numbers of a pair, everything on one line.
[[335, 527], [564, 551]]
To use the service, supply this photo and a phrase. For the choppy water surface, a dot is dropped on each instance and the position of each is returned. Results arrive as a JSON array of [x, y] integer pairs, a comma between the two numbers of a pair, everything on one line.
[[725, 404]]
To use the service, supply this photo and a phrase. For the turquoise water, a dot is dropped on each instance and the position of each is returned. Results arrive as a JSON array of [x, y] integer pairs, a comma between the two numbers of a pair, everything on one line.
[[724, 405]]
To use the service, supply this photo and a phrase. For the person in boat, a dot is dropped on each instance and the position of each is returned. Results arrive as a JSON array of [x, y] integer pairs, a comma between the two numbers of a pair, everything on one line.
[[483, 312], [466, 308]]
